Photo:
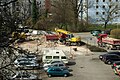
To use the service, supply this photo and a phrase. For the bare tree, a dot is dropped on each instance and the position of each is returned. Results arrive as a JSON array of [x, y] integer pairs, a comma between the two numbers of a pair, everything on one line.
[[62, 13], [110, 12]]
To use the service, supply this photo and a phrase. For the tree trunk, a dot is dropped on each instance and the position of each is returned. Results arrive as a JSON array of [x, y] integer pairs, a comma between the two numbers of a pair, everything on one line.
[[105, 24]]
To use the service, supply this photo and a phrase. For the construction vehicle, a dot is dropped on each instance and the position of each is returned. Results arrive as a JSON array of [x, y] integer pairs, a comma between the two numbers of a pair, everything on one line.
[[51, 36], [110, 43], [19, 34], [67, 37]]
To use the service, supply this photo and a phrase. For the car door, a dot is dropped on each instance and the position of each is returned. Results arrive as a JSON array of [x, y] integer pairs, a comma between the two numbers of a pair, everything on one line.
[[58, 71], [115, 58]]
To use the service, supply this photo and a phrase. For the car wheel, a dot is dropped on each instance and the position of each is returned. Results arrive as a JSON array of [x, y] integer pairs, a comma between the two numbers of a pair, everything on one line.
[[49, 75], [65, 75], [109, 62]]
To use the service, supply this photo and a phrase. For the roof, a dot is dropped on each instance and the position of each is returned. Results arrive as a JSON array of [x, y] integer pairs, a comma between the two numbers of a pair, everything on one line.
[[54, 52]]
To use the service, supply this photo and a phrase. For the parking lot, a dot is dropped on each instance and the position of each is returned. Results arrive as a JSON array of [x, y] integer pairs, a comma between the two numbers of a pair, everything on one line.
[[86, 68], [85, 65]]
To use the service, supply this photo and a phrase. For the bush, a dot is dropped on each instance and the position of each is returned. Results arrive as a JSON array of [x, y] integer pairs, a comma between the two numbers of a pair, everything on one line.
[[115, 33]]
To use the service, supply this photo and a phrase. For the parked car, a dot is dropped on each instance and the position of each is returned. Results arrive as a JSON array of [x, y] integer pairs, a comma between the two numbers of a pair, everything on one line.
[[61, 65], [115, 64], [95, 32], [54, 54], [27, 65], [52, 62], [30, 56], [24, 60], [57, 71], [108, 53], [23, 76], [109, 59], [117, 70]]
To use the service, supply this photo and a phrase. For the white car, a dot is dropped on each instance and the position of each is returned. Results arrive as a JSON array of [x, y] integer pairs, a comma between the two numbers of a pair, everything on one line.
[[24, 76]]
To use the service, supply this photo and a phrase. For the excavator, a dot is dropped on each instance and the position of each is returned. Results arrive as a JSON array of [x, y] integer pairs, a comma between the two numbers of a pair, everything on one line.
[[19, 34], [67, 37]]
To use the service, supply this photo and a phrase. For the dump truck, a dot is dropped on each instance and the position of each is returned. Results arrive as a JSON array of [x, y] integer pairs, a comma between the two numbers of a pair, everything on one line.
[[110, 43], [50, 35], [67, 37]]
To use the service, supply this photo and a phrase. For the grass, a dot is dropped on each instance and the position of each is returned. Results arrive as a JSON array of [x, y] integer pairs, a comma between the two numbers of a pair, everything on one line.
[[101, 27], [96, 49]]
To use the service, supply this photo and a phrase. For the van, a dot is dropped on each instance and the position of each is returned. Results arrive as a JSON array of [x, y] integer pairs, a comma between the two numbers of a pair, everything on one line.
[[52, 54]]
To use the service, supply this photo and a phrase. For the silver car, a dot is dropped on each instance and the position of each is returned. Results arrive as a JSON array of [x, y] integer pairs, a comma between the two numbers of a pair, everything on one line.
[[24, 60], [61, 65], [30, 56], [24, 76], [27, 65]]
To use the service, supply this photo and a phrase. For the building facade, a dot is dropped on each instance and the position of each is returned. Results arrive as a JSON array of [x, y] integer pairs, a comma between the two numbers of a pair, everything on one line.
[[100, 10]]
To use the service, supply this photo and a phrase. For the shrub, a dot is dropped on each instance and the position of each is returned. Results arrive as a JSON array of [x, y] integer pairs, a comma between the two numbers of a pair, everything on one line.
[[115, 33]]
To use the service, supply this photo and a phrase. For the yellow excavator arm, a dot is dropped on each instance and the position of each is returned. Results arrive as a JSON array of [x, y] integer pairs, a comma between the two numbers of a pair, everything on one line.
[[62, 31], [71, 36]]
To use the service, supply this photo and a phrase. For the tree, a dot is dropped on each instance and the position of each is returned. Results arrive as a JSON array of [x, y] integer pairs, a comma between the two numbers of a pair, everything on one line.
[[110, 13], [77, 7], [62, 14], [34, 11]]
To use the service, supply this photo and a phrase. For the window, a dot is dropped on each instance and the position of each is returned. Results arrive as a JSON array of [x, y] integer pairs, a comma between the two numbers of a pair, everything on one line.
[[116, 0], [116, 12], [57, 69], [97, 0], [103, 6], [103, 0], [96, 13], [103, 13], [56, 65], [57, 52], [48, 57], [109, 6], [61, 65], [55, 57], [116, 6], [96, 6], [63, 57]]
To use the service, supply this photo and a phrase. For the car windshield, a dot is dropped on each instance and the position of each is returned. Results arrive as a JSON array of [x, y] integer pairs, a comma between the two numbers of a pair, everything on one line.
[[61, 65], [55, 62], [26, 63], [29, 56], [24, 60]]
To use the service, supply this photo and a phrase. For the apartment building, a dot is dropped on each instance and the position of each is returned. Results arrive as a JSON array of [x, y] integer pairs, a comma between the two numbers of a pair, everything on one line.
[[101, 9]]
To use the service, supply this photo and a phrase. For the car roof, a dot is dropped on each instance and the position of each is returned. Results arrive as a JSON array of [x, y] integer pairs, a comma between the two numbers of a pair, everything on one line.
[[111, 55], [113, 52], [54, 67], [57, 63], [117, 62]]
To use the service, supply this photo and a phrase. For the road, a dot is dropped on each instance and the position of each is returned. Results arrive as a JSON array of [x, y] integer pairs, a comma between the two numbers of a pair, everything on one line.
[[87, 38]]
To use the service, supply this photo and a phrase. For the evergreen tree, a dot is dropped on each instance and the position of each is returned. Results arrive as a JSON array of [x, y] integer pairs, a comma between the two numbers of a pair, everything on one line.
[[34, 12]]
